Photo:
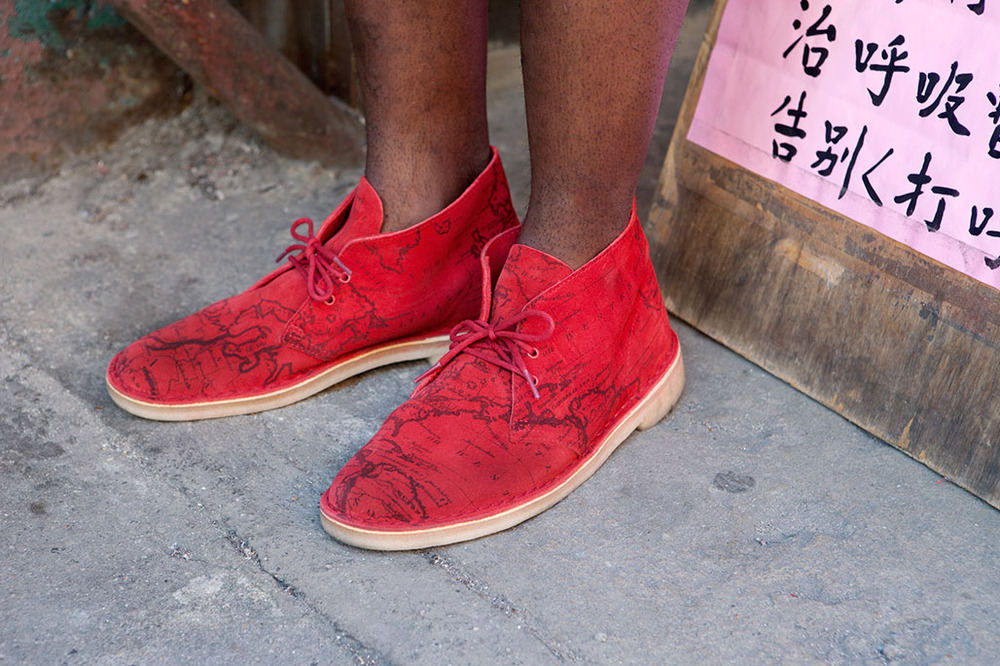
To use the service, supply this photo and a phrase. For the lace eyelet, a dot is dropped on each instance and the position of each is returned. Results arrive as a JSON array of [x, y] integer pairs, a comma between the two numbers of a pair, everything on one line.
[[331, 300], [533, 352], [345, 278], [534, 380]]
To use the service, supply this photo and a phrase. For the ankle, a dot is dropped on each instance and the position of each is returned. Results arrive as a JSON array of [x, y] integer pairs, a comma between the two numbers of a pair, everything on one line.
[[574, 236], [414, 188]]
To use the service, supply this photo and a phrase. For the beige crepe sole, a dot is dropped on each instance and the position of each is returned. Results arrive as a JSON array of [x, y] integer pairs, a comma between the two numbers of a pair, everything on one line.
[[412, 350], [647, 413]]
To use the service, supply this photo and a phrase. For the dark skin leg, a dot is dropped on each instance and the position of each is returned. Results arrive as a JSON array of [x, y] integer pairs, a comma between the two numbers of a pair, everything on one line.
[[593, 77], [422, 69], [593, 72]]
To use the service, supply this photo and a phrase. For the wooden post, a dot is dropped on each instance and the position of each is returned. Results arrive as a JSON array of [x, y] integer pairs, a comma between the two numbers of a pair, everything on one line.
[[312, 34], [221, 51], [898, 343]]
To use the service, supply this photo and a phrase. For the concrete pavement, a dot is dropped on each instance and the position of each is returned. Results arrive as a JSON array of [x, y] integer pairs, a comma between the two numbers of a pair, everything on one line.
[[754, 525]]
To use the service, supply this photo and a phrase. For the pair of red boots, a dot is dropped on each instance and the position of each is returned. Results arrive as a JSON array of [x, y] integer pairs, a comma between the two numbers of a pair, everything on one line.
[[543, 371]]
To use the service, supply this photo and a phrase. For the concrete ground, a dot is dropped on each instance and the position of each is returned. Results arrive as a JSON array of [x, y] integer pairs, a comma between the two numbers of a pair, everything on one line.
[[753, 525]]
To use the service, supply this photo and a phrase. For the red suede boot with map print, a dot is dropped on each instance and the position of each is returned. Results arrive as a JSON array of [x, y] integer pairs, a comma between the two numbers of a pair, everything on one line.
[[529, 401], [346, 300]]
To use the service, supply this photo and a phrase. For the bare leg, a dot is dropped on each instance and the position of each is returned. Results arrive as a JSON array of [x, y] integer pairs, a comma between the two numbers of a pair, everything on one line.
[[422, 67], [593, 77]]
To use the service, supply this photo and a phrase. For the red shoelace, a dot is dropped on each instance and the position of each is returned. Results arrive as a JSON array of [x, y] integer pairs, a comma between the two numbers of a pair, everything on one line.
[[317, 264], [500, 344]]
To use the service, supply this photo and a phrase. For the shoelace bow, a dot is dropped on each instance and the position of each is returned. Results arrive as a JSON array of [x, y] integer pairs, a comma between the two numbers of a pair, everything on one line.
[[500, 344], [318, 265]]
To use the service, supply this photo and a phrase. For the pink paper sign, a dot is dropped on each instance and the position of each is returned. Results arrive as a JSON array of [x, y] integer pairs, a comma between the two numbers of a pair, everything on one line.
[[887, 111]]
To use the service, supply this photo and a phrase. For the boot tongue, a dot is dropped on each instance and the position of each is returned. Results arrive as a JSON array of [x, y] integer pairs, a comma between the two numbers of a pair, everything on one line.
[[364, 218], [527, 273]]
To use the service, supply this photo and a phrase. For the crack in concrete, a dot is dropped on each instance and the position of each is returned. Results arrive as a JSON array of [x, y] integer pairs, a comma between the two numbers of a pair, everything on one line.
[[243, 547], [501, 603], [365, 655]]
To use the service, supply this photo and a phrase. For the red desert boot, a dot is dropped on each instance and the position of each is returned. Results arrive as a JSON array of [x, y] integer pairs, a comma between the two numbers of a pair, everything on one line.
[[528, 402], [347, 299]]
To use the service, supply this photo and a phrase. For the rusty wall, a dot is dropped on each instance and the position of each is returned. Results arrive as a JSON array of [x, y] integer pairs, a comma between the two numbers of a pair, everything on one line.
[[73, 75]]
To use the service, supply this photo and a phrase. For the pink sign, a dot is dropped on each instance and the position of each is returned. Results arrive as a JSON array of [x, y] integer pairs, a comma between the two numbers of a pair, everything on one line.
[[887, 111]]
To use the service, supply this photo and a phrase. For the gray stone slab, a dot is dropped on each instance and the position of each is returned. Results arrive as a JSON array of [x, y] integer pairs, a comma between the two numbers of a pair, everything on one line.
[[105, 560], [752, 525], [756, 525]]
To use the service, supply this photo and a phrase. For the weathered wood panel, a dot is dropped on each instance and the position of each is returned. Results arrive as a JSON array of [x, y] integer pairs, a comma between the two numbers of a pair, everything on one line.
[[905, 347], [222, 51], [313, 35]]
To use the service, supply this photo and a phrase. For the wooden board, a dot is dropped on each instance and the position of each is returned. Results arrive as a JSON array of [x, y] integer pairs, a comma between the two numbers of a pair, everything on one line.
[[224, 53], [901, 345], [313, 34]]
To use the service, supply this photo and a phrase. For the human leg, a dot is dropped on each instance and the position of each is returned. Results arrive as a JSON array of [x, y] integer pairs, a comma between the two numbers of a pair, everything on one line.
[[422, 70], [593, 77], [349, 296], [573, 349]]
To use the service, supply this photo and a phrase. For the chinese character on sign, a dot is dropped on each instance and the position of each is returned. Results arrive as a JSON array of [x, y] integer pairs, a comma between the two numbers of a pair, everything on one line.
[[865, 177], [975, 7], [828, 156], [995, 117], [925, 89], [891, 57], [813, 56], [976, 228], [910, 198], [785, 150]]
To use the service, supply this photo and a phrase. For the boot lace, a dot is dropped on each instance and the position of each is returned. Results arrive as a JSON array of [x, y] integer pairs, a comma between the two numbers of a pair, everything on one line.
[[500, 344], [318, 265]]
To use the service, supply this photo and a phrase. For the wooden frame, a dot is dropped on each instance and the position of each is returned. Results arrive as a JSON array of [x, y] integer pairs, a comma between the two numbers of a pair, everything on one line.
[[901, 345], [312, 34]]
